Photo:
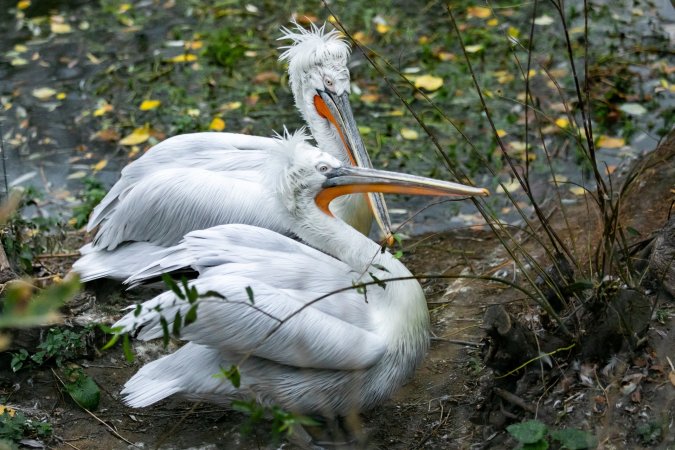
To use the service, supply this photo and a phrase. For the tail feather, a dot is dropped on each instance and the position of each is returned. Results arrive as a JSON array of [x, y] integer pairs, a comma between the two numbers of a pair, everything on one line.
[[118, 264], [188, 372]]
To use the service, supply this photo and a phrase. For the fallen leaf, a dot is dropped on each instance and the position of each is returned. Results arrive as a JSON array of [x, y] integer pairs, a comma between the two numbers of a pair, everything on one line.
[[61, 96], [23, 4], [185, 57], [193, 112], [60, 28], [493, 22], [18, 61], [138, 136], [409, 134], [147, 105], [428, 82], [474, 48], [99, 165], [610, 142], [543, 20], [501, 133], [578, 190], [6, 409], [266, 77], [217, 124], [634, 109], [562, 122], [671, 377], [104, 108], [480, 12], [370, 98], [108, 135], [382, 28], [77, 175], [446, 56], [510, 186], [194, 45], [43, 93], [513, 32]]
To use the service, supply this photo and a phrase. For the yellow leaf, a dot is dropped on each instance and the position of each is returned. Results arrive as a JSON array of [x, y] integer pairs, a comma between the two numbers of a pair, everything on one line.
[[332, 19], [513, 32], [61, 95], [577, 190], [23, 4], [20, 48], [474, 48], [480, 12], [428, 82], [382, 28], [185, 57], [43, 93], [138, 136], [231, 106], [492, 22], [194, 45], [446, 56], [501, 133], [217, 124], [104, 108], [562, 122], [6, 409], [193, 112], [100, 165], [60, 28], [610, 142], [147, 105], [409, 134], [510, 186]]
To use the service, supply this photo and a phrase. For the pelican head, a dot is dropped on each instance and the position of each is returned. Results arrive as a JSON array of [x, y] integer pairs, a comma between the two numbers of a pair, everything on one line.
[[319, 78], [311, 179]]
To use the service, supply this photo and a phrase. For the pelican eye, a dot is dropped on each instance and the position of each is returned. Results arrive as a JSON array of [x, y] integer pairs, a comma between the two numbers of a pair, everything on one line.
[[322, 167], [328, 82]]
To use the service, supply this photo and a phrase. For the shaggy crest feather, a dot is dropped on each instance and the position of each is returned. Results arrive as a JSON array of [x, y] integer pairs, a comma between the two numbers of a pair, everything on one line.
[[312, 47]]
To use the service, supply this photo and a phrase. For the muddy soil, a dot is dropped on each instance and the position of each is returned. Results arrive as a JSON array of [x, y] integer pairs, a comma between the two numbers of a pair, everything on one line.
[[454, 401]]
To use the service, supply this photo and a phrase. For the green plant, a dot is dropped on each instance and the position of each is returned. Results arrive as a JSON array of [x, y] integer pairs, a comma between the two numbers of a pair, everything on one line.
[[90, 196], [283, 421], [225, 48], [534, 435], [15, 426], [25, 237], [59, 345]]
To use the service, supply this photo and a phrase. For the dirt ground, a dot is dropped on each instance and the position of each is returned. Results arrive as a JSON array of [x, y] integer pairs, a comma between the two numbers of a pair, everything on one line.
[[454, 401]]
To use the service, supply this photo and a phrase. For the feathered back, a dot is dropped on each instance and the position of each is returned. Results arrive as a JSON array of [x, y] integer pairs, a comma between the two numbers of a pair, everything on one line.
[[312, 46]]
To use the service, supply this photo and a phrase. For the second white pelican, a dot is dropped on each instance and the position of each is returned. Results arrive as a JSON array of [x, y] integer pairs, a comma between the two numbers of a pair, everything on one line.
[[175, 188], [341, 354]]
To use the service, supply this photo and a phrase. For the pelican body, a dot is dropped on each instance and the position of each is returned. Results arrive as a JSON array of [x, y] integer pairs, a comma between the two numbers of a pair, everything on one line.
[[182, 184], [276, 315]]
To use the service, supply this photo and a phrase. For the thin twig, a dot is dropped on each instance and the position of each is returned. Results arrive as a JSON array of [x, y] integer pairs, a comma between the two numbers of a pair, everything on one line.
[[514, 399]]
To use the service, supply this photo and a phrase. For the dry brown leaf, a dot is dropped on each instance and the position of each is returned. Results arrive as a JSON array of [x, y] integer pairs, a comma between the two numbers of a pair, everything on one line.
[[267, 77]]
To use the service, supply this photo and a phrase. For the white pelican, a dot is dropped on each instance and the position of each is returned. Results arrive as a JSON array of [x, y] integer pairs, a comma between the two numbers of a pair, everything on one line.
[[176, 187], [342, 354]]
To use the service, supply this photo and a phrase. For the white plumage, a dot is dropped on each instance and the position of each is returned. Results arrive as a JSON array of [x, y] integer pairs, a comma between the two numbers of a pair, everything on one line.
[[344, 353]]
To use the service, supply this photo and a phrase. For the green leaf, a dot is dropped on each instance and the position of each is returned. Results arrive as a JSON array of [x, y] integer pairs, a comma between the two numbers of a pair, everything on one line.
[[111, 342], [165, 331], [126, 348], [380, 267], [529, 432], [85, 392], [213, 294], [379, 282], [177, 324], [573, 439], [171, 284], [249, 292], [231, 374], [539, 445], [191, 315]]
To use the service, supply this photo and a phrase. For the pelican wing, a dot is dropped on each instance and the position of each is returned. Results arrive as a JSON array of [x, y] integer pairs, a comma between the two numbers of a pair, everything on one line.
[[220, 152], [165, 205], [254, 318]]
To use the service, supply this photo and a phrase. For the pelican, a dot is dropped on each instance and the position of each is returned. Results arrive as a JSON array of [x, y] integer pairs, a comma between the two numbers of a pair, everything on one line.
[[178, 185], [342, 354]]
